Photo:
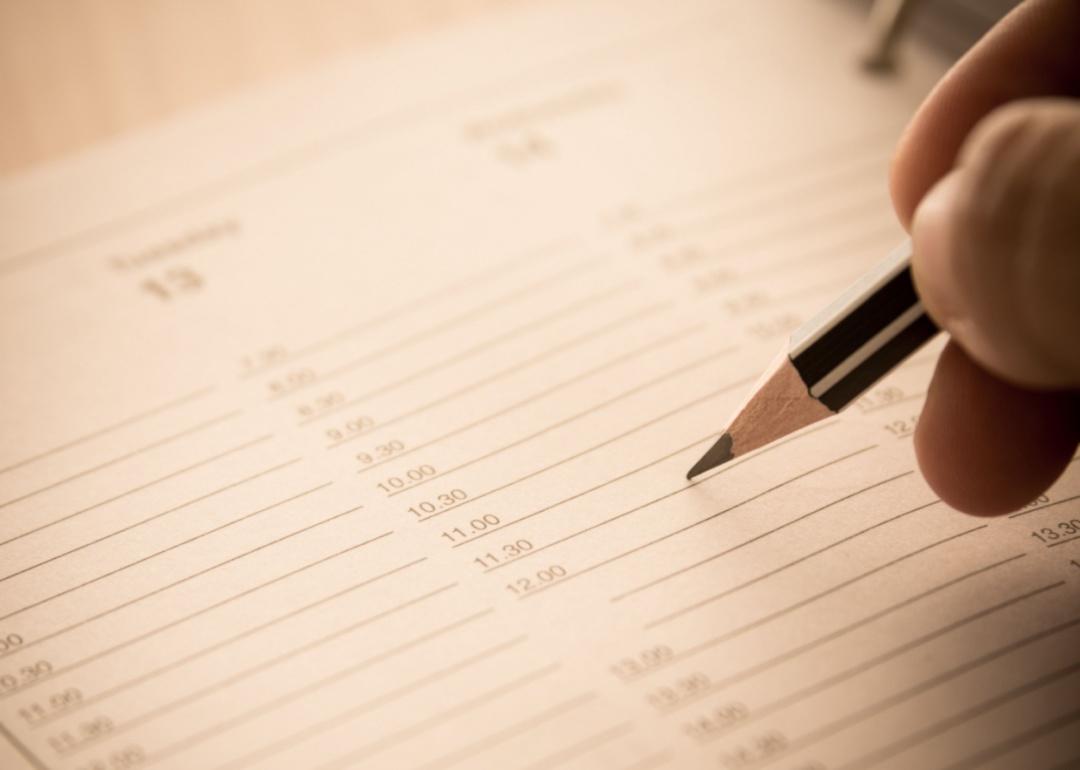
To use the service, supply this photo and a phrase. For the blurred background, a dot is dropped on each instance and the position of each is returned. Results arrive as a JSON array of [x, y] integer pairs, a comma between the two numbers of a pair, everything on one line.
[[75, 72]]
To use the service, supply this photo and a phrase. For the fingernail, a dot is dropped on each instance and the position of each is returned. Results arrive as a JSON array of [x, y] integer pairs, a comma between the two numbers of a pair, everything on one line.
[[933, 264]]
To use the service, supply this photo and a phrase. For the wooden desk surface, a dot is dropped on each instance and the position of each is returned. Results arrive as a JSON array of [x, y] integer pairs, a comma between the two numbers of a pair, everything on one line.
[[75, 72]]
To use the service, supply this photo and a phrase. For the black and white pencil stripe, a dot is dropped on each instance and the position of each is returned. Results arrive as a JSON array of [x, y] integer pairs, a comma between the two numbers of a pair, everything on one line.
[[860, 337]]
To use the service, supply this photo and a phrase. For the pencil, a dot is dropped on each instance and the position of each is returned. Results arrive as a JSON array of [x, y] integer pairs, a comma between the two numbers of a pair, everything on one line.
[[830, 360]]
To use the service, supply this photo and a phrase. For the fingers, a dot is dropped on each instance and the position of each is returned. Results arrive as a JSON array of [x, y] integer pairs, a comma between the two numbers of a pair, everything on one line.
[[987, 447], [997, 245], [997, 263], [997, 259], [1032, 52]]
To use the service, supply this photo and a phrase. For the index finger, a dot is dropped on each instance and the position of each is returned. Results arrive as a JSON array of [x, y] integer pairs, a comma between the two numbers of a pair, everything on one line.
[[1032, 52]]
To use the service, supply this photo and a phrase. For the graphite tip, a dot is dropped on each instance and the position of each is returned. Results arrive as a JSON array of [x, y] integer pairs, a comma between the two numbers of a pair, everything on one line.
[[718, 454]]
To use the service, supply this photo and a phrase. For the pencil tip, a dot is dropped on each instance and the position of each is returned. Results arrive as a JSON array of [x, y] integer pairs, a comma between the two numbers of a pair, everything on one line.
[[718, 454]]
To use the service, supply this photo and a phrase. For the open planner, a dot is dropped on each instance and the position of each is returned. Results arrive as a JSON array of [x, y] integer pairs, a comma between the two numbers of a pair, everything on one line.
[[345, 425]]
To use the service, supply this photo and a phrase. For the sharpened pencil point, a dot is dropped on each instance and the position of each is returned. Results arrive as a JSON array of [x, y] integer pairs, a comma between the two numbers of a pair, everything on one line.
[[718, 454]]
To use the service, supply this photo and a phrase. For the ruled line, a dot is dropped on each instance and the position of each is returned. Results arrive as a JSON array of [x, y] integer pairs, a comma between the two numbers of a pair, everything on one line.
[[374, 703], [576, 378], [792, 225], [392, 313], [835, 160], [454, 394], [636, 549], [502, 337], [947, 723], [746, 584], [657, 343], [581, 747], [662, 579], [848, 247], [296, 692], [699, 480], [640, 426], [1017, 741], [938, 679], [140, 488], [762, 215], [159, 629], [777, 660], [148, 675], [419, 727], [700, 647], [138, 524], [514, 730], [294, 159], [36, 604], [441, 327], [1064, 542], [134, 453], [575, 496], [592, 409], [884, 704], [713, 557], [888, 404], [525, 402], [517, 367], [23, 750], [728, 635], [736, 462], [110, 428], [788, 299], [506, 371], [1051, 504], [842, 246]]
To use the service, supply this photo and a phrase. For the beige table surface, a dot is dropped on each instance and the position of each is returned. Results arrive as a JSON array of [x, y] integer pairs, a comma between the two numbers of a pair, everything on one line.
[[75, 72]]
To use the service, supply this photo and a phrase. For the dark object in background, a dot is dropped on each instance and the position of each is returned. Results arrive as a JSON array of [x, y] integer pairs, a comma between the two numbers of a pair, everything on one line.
[[952, 26]]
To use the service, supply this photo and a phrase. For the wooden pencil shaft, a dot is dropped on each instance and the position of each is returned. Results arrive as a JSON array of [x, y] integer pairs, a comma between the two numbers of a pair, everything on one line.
[[831, 360]]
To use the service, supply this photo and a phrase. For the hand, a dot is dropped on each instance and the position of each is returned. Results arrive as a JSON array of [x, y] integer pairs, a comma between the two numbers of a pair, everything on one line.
[[987, 179]]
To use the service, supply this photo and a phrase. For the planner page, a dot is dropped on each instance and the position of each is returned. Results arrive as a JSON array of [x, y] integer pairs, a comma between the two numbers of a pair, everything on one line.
[[346, 425]]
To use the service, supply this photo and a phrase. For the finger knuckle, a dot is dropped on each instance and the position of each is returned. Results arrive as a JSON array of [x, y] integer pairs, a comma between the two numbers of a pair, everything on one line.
[[1016, 215]]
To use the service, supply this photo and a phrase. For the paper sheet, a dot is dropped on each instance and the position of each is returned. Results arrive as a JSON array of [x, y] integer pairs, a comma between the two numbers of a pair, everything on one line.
[[345, 425]]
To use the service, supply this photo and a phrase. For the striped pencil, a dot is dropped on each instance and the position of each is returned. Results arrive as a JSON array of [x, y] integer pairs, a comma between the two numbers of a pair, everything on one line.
[[831, 360]]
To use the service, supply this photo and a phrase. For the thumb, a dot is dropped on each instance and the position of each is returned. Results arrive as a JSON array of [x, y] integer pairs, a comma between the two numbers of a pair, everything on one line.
[[997, 245]]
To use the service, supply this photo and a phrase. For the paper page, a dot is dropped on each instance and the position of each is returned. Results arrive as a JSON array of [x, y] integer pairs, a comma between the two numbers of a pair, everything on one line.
[[346, 425]]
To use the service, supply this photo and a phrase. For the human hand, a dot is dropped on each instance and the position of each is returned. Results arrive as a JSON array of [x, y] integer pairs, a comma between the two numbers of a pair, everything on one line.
[[987, 179]]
